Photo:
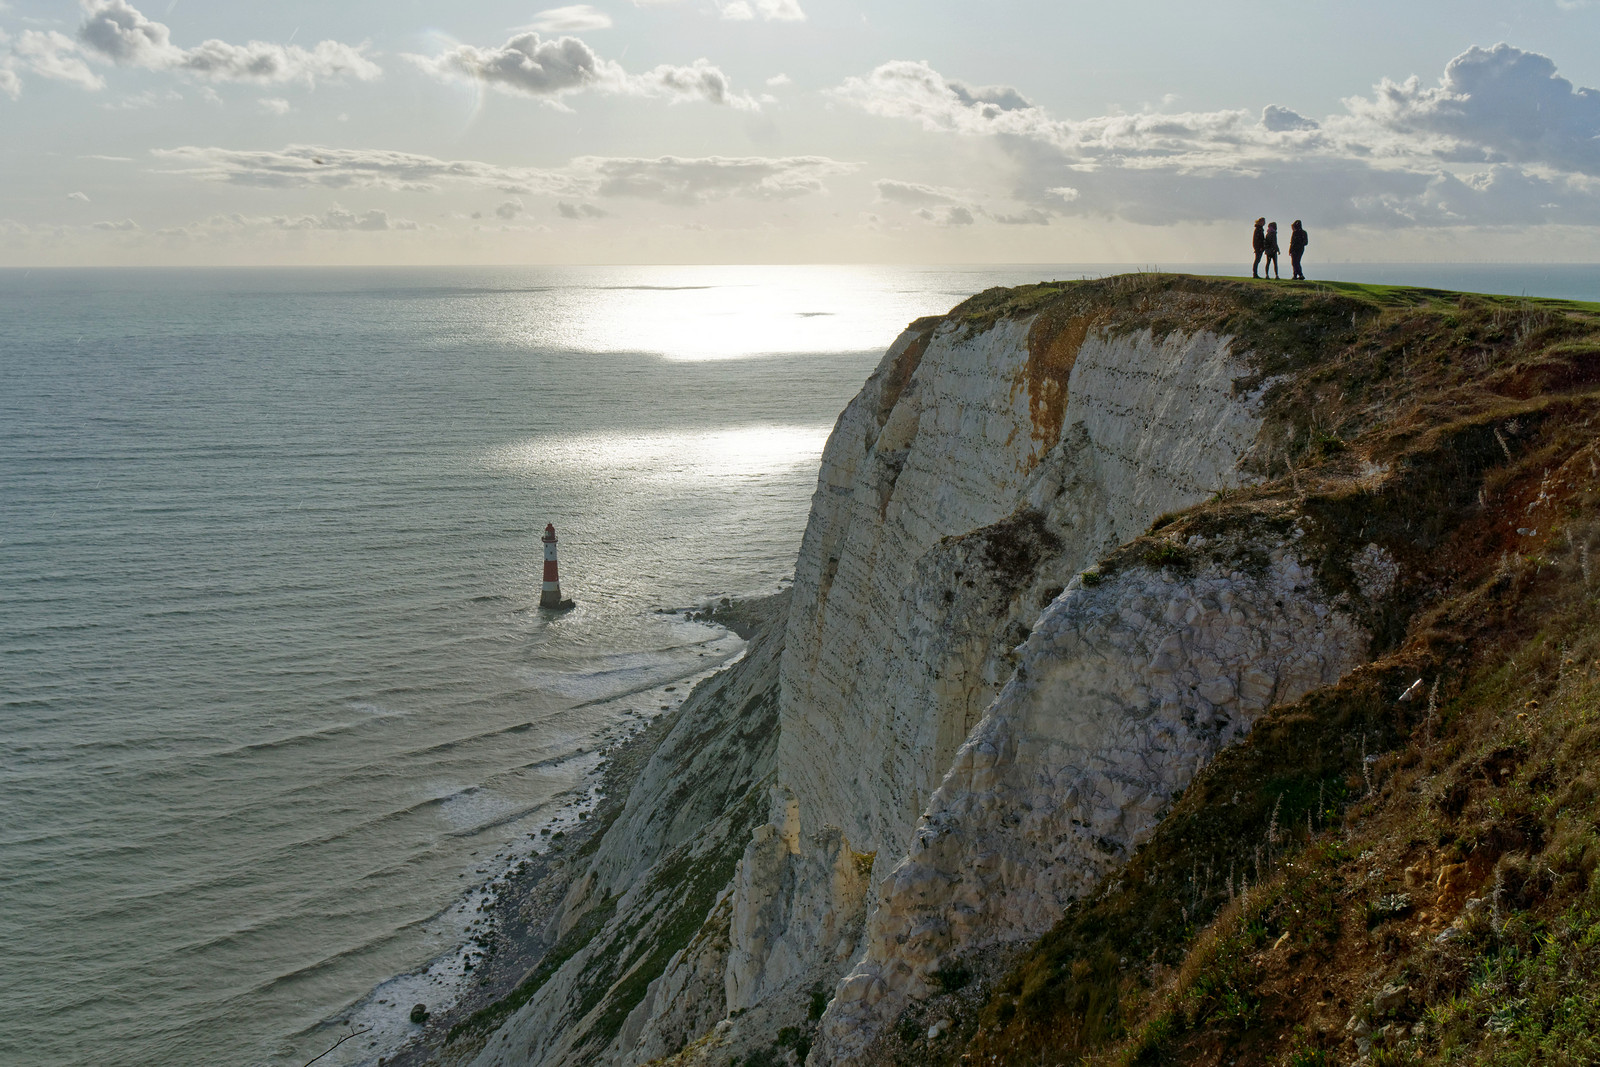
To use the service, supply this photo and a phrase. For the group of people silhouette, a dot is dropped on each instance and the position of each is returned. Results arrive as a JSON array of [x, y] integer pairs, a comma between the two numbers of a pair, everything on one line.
[[1265, 240]]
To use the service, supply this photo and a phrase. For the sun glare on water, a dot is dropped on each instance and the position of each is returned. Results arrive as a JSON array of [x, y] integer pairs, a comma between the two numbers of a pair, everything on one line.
[[720, 455], [715, 313]]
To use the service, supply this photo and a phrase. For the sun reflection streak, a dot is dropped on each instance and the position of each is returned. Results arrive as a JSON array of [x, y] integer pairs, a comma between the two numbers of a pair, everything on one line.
[[695, 313], [719, 455]]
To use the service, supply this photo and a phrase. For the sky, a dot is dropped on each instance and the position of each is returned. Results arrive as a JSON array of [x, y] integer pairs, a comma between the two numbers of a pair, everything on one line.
[[171, 132]]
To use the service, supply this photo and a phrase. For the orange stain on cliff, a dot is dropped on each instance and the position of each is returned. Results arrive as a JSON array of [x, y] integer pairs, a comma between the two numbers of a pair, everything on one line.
[[904, 366], [1053, 345]]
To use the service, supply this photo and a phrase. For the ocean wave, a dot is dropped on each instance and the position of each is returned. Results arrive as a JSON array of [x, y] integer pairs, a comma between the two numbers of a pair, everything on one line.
[[628, 675], [514, 814], [465, 821]]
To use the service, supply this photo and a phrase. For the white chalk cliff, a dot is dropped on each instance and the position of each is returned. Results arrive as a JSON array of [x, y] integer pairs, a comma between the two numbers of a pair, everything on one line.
[[970, 732]]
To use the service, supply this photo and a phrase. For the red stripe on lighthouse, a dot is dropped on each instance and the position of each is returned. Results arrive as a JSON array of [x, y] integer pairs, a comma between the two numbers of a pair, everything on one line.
[[550, 594]]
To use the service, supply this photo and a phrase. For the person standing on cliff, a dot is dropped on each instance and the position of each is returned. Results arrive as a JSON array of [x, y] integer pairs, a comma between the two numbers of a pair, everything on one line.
[[1259, 241], [1297, 248], [1270, 249]]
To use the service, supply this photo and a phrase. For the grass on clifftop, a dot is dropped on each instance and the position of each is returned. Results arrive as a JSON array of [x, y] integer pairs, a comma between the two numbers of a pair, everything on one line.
[[992, 305], [1309, 900]]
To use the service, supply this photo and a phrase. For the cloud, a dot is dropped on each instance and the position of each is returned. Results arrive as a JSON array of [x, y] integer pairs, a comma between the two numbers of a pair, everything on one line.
[[1027, 217], [672, 180], [337, 218], [1279, 119], [526, 64], [574, 19], [81, 197], [10, 84], [699, 81], [531, 65], [914, 91], [779, 80], [274, 105], [580, 211], [668, 179], [258, 61], [116, 31], [780, 10], [950, 216], [120, 32], [125, 226], [913, 193], [55, 55], [510, 209], [1496, 104], [1002, 97], [956, 208], [1501, 140], [148, 98], [306, 166]]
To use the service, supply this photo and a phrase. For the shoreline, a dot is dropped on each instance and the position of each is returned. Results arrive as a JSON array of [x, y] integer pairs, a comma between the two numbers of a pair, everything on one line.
[[499, 924]]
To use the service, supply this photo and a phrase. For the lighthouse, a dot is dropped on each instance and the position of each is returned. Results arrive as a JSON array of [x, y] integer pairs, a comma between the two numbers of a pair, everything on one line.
[[550, 594]]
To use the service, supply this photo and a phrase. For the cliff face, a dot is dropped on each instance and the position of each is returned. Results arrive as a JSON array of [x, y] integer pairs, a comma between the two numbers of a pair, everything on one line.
[[1007, 461], [1001, 668], [977, 473], [1124, 691]]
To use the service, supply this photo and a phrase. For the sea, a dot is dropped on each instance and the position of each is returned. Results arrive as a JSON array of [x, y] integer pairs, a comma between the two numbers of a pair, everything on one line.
[[276, 696]]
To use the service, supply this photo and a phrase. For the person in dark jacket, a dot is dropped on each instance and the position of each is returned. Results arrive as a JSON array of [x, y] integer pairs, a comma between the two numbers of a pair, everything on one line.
[[1297, 248], [1270, 249], [1258, 241]]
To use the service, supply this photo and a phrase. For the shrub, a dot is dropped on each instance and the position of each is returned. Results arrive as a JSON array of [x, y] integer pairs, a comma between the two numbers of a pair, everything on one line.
[[1165, 554]]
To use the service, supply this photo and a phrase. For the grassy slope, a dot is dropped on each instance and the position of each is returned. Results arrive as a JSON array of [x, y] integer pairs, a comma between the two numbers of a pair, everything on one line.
[[1317, 863]]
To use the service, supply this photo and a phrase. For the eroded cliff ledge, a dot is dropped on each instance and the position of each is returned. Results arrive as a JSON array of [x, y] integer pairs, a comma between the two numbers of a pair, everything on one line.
[[1005, 659]]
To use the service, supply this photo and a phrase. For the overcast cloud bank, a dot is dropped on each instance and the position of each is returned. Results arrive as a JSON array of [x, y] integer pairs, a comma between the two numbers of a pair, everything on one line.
[[666, 179]]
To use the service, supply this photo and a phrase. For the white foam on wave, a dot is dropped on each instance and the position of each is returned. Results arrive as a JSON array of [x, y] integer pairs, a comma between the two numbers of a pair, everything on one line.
[[623, 674]]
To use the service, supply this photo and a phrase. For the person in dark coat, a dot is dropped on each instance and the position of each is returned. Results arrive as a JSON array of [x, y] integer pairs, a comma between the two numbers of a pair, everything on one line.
[[1258, 241], [1297, 248], [1270, 249]]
